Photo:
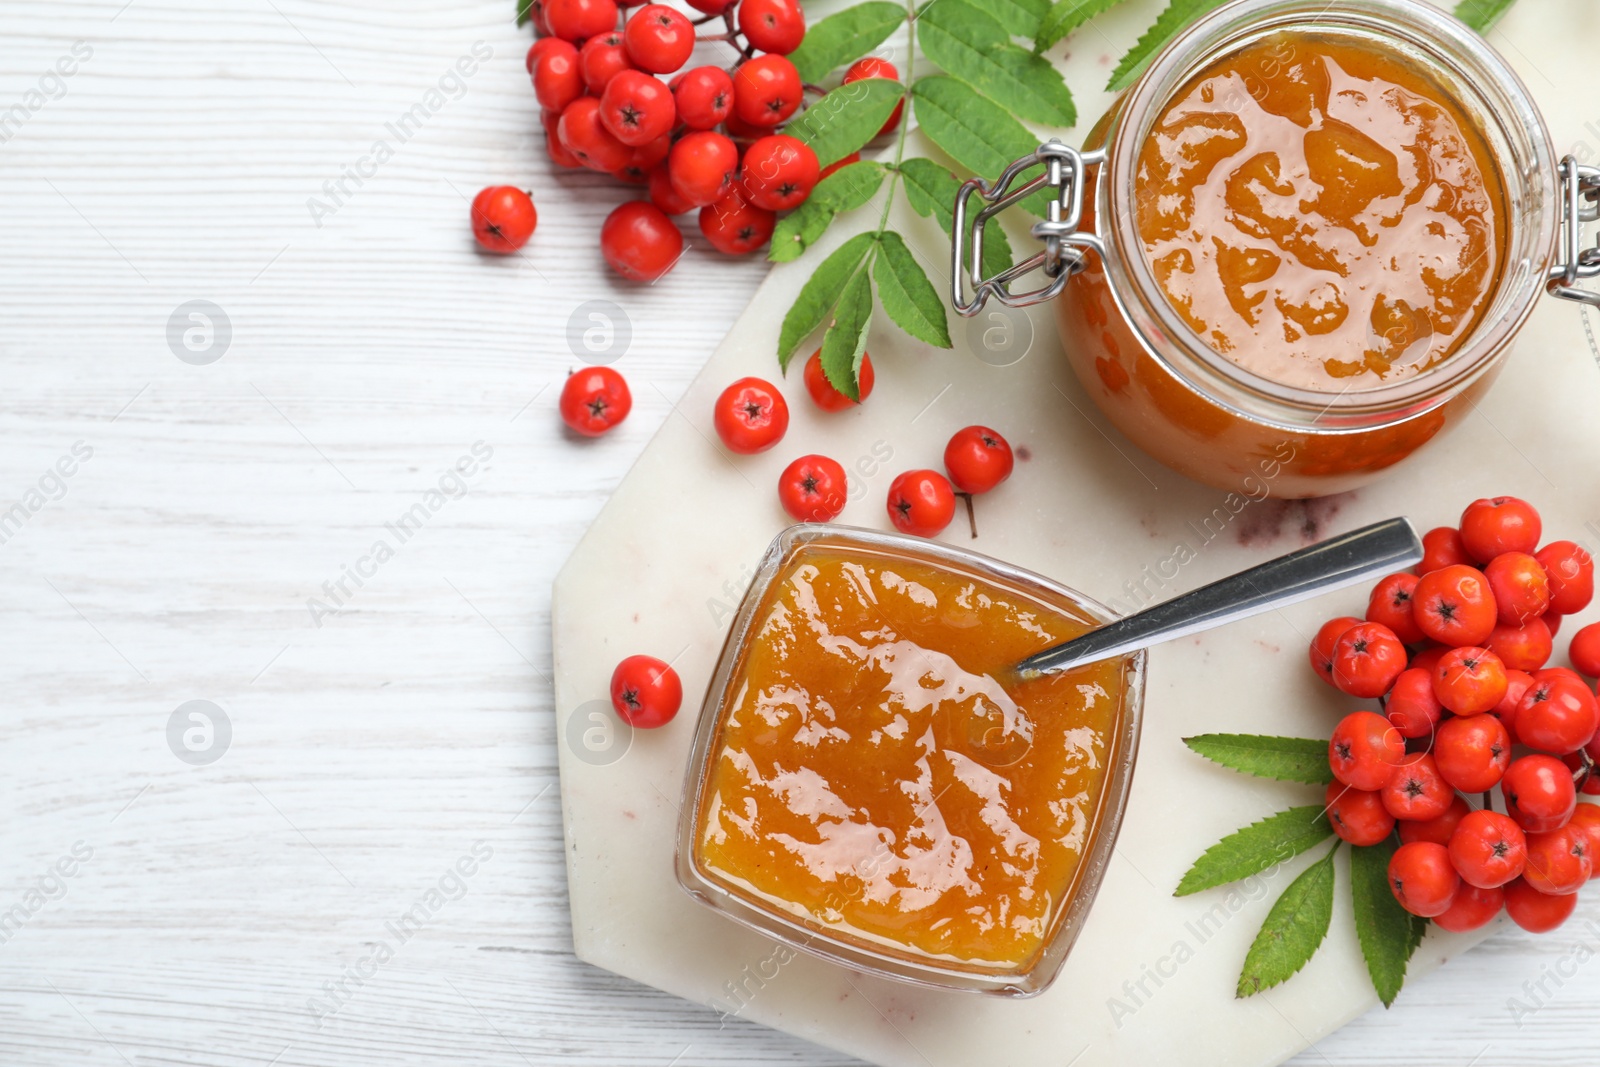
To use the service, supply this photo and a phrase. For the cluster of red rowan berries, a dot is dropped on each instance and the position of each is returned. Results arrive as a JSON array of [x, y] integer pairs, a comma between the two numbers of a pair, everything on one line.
[[1456, 656], [708, 139]]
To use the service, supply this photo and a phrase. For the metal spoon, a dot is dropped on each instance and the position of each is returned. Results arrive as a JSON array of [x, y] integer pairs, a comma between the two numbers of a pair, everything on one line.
[[1370, 552]]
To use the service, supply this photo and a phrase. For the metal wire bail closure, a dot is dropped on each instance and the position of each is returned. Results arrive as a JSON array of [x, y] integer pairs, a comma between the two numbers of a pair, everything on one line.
[[1064, 245], [1580, 195]]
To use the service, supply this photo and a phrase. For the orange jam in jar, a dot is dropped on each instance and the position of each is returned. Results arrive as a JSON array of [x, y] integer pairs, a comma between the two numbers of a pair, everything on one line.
[[876, 777], [1319, 211], [1310, 232]]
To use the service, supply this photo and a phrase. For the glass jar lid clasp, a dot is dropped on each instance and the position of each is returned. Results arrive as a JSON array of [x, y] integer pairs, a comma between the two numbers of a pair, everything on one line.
[[1580, 203], [1065, 244]]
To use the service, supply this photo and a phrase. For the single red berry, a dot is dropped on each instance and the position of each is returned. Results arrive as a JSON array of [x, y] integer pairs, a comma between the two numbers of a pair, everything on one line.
[[750, 416], [766, 90], [873, 67], [1472, 753], [702, 165], [1442, 547], [1415, 791], [1364, 750], [644, 160], [813, 489], [658, 38], [1367, 659], [711, 7], [704, 96], [1522, 648], [557, 78], [776, 26], [1439, 830], [1520, 586], [1323, 643], [1390, 604], [639, 241], [1570, 571], [1469, 680], [540, 46], [1557, 713], [1454, 605], [1499, 524], [734, 226], [576, 20], [1488, 849], [646, 692], [824, 395], [1559, 860], [587, 138], [921, 502], [839, 164], [1412, 707], [594, 399], [1536, 912], [1422, 879], [1585, 650], [637, 108], [977, 459], [1586, 817], [1538, 792], [601, 59], [663, 195], [1472, 908], [503, 218], [779, 172], [1358, 816]]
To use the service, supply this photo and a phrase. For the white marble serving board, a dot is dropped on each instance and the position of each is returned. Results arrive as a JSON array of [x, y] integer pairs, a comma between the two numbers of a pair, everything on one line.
[[663, 566]]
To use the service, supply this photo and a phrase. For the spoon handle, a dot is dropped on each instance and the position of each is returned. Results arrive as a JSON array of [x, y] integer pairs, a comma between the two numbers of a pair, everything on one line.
[[1370, 552]]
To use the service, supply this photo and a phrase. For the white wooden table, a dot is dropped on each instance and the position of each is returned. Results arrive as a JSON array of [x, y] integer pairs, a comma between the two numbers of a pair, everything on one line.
[[368, 869]]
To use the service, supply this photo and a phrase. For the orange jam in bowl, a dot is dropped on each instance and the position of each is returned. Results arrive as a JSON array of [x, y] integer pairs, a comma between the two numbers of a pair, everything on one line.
[[1318, 227], [870, 782]]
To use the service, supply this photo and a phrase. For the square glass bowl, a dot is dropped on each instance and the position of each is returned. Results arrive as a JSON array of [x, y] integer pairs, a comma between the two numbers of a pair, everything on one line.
[[889, 830]]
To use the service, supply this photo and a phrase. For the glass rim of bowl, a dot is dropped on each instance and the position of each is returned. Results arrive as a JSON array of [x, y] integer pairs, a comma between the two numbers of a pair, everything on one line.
[[1033, 975], [1506, 114]]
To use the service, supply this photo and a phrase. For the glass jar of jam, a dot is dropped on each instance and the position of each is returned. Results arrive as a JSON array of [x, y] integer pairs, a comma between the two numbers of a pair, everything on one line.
[[1298, 248], [872, 783]]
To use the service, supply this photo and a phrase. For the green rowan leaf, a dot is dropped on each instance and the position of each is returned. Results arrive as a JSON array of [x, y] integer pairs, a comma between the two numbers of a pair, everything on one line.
[[1288, 759], [845, 37], [1481, 15], [847, 118], [973, 130], [1065, 16], [931, 192], [844, 190], [1383, 927], [1256, 847], [820, 293], [1019, 17], [846, 337], [1293, 930], [906, 294], [972, 46], [524, 11], [1168, 24]]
